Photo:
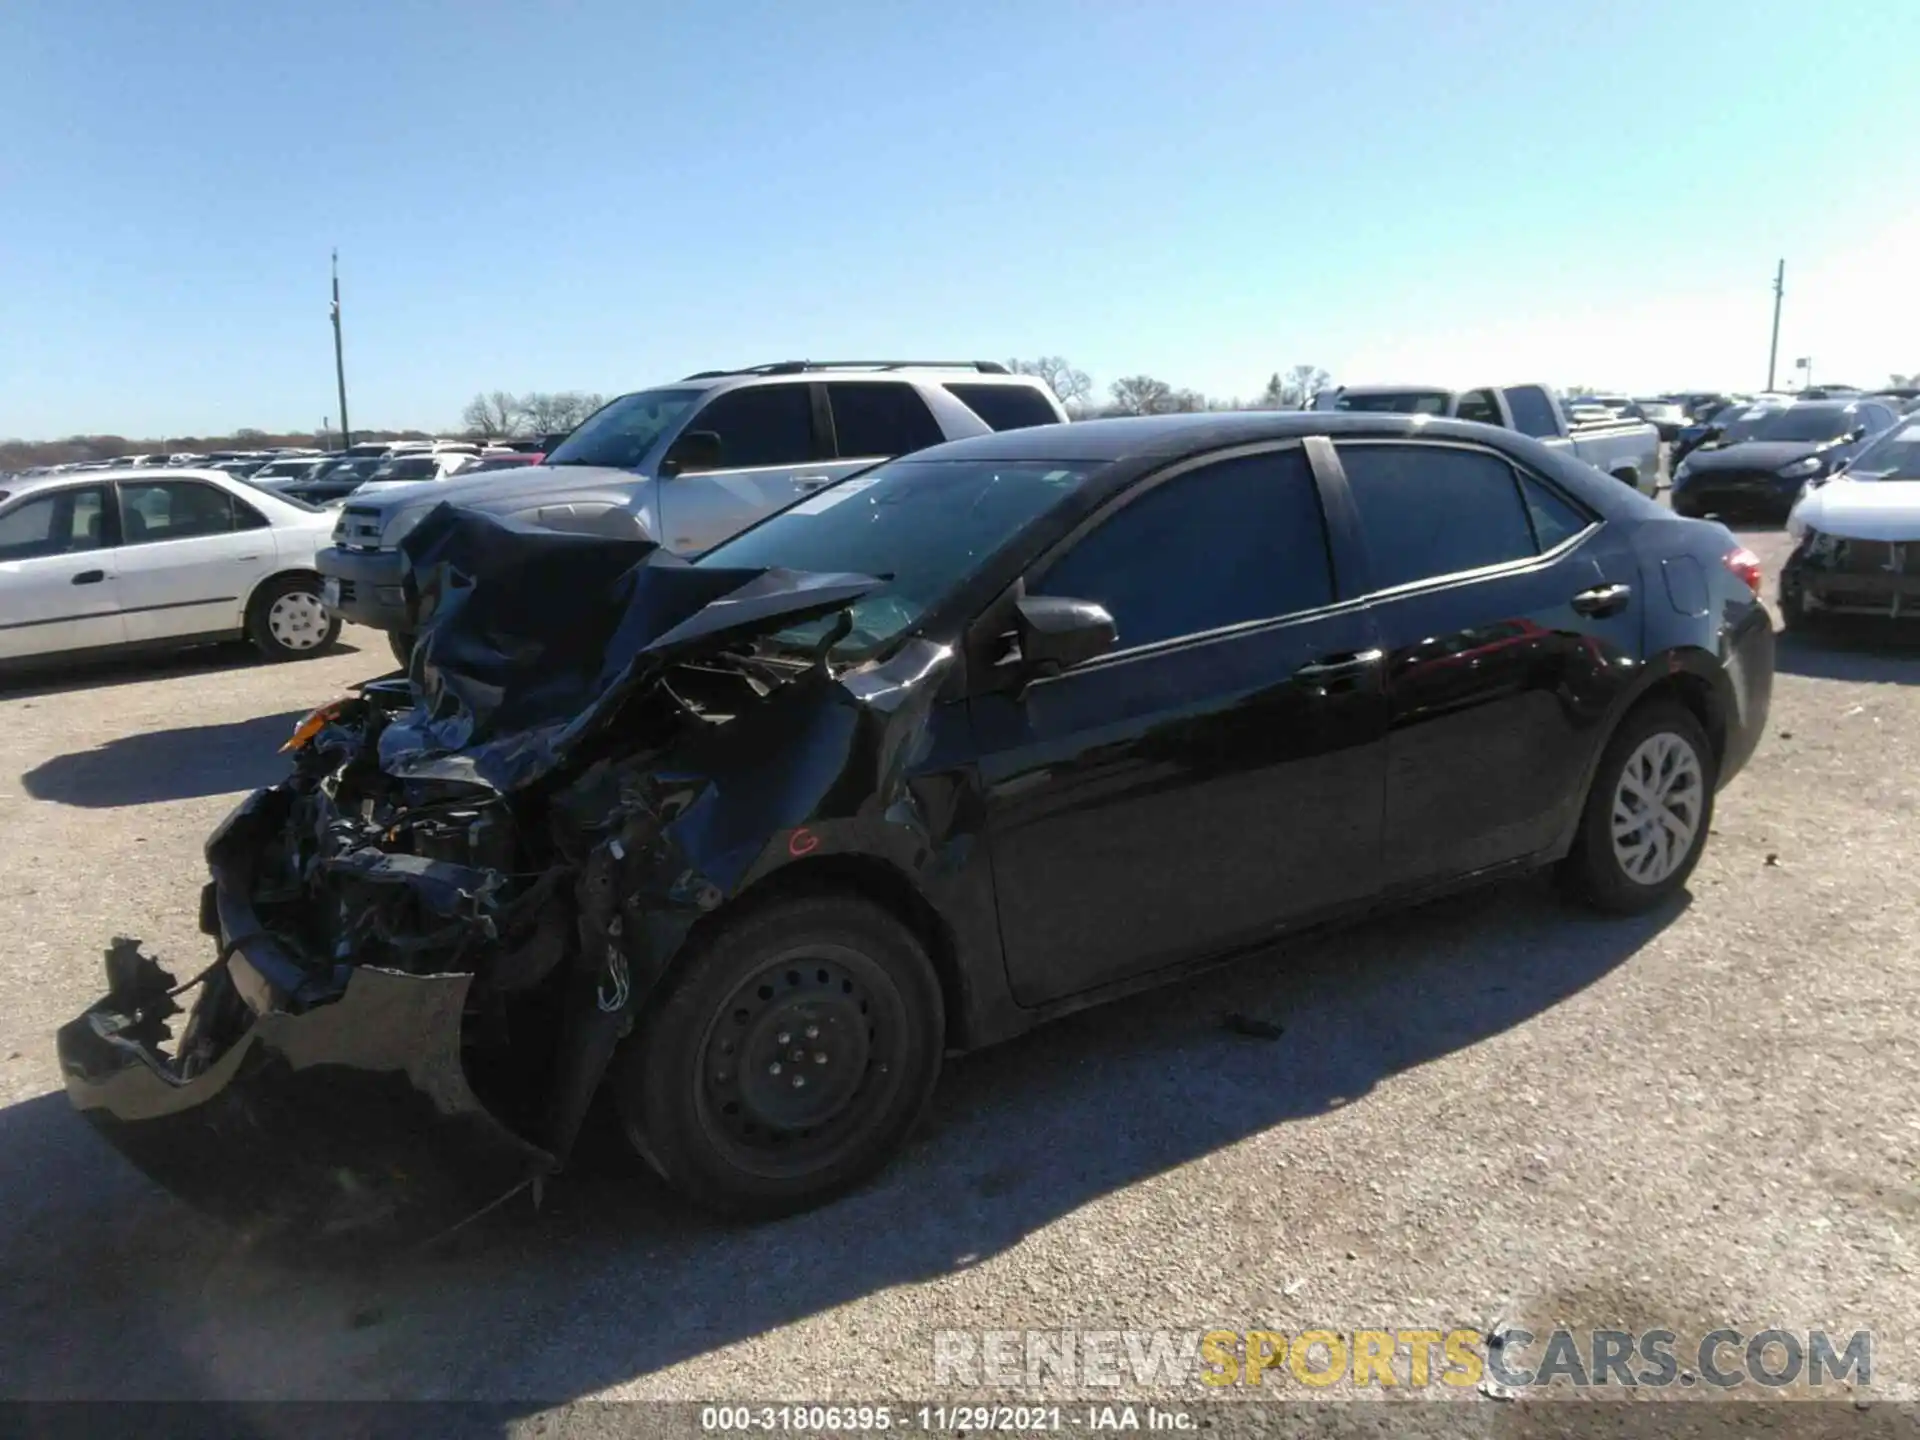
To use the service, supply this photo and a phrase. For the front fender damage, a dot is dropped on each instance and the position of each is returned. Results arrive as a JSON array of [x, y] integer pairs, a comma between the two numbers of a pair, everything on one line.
[[434, 935]]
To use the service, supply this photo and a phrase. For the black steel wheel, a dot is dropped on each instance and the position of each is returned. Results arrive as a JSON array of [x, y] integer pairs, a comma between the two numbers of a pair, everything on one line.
[[789, 1060]]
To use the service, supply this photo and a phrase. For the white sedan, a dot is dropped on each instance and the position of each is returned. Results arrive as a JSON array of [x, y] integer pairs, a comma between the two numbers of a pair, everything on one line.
[[148, 558], [1857, 536]]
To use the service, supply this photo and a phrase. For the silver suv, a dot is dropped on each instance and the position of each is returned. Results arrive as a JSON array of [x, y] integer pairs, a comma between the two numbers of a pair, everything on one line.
[[689, 464]]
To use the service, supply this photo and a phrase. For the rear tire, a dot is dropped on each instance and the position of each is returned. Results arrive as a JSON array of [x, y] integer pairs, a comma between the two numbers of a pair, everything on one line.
[[1647, 814], [402, 646], [791, 1058], [287, 619]]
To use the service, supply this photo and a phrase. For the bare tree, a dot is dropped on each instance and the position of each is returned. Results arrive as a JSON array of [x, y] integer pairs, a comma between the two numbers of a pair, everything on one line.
[[546, 414], [1303, 382], [1274, 397], [1073, 386], [1142, 395], [489, 415]]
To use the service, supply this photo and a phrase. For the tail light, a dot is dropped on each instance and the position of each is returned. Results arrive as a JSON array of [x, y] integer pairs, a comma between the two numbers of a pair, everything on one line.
[[1745, 564]]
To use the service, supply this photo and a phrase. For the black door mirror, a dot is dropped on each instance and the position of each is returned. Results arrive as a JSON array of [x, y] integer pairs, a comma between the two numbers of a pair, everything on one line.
[[1859, 432], [1056, 632], [695, 450]]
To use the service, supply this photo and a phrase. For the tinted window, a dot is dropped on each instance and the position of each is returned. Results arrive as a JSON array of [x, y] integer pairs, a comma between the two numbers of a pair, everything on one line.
[[1234, 541], [878, 420], [1875, 419], [411, 467], [1479, 405], [1532, 411], [245, 517], [58, 524], [766, 425], [1006, 407], [172, 510], [1431, 510], [927, 525], [1554, 517], [622, 432]]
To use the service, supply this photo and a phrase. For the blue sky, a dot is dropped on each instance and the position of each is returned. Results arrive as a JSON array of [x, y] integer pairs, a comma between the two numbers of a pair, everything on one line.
[[602, 195]]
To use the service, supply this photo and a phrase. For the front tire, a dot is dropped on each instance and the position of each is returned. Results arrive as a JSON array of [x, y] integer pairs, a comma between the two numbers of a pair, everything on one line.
[[1647, 813], [289, 621], [401, 644], [790, 1060]]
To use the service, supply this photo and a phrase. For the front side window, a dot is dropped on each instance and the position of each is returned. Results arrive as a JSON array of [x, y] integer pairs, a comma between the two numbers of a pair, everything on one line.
[[152, 511], [1480, 406], [875, 419], [766, 425], [1430, 510], [621, 433], [1532, 411], [926, 526], [62, 523], [1234, 541]]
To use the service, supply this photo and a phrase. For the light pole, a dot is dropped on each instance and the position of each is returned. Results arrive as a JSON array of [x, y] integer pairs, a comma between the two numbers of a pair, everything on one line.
[[1773, 351], [339, 359]]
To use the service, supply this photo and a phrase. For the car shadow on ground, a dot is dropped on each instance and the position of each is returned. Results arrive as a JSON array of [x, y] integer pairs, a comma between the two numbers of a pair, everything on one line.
[[1874, 652], [24, 680], [157, 765], [124, 1292]]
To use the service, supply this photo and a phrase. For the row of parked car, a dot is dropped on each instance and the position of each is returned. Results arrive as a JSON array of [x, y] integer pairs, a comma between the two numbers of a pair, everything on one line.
[[299, 541]]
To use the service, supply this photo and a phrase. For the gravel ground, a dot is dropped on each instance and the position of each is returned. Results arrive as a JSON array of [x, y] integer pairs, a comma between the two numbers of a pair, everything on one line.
[[1491, 1109]]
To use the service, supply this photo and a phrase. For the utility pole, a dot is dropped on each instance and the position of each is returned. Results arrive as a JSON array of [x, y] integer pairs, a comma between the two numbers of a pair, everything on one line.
[[340, 365], [1773, 351]]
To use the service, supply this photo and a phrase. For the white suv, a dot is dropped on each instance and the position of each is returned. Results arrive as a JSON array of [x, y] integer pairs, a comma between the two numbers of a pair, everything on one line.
[[688, 465]]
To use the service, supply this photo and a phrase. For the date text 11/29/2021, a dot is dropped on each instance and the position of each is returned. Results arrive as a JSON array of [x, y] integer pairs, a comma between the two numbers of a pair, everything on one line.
[[941, 1419]]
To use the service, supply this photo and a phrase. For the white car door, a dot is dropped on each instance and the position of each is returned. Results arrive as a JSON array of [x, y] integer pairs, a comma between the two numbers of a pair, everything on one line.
[[190, 554], [57, 586], [771, 453]]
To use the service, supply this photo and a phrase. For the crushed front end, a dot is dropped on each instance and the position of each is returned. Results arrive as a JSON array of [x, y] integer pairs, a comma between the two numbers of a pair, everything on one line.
[[431, 937]]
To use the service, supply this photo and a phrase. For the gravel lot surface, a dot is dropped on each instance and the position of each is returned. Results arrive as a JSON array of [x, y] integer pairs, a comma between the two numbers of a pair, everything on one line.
[[1491, 1109]]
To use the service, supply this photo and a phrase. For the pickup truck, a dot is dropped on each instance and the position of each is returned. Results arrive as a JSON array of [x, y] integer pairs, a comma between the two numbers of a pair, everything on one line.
[[1628, 450], [689, 464]]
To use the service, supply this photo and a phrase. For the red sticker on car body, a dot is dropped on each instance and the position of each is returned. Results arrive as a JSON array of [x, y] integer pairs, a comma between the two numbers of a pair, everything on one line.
[[802, 842]]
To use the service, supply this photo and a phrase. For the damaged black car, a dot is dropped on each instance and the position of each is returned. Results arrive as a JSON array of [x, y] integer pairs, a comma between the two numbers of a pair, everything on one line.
[[984, 734]]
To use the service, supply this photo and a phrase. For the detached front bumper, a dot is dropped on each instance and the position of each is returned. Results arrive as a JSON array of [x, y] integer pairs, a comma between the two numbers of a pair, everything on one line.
[[339, 1107], [1854, 577], [364, 586]]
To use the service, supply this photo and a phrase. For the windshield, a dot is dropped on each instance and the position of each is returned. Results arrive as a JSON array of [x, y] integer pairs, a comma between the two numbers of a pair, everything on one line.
[[412, 467], [922, 525], [1739, 422], [1398, 402], [282, 467], [620, 433], [1894, 456], [1805, 422]]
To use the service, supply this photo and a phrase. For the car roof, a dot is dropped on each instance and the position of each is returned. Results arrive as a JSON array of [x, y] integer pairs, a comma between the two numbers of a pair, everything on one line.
[[16, 488], [1160, 437]]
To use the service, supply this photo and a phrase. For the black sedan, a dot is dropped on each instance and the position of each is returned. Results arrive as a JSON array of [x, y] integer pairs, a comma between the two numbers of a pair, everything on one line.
[[981, 735], [1758, 467]]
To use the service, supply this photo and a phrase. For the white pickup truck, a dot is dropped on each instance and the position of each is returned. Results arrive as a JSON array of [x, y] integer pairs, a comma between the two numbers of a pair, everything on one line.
[[1628, 450]]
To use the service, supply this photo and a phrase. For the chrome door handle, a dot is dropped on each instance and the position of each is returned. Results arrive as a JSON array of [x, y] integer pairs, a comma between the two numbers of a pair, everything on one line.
[[812, 482], [1319, 672], [1602, 600]]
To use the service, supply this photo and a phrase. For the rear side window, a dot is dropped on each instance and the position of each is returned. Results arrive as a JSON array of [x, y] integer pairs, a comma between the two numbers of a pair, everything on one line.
[[152, 511], [765, 425], [875, 420], [1554, 518], [1238, 540], [1532, 411], [1006, 407], [1428, 510]]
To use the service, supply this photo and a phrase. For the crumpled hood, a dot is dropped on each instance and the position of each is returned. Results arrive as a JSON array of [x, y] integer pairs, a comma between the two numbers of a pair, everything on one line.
[[1852, 509], [495, 487], [531, 639], [1755, 455]]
